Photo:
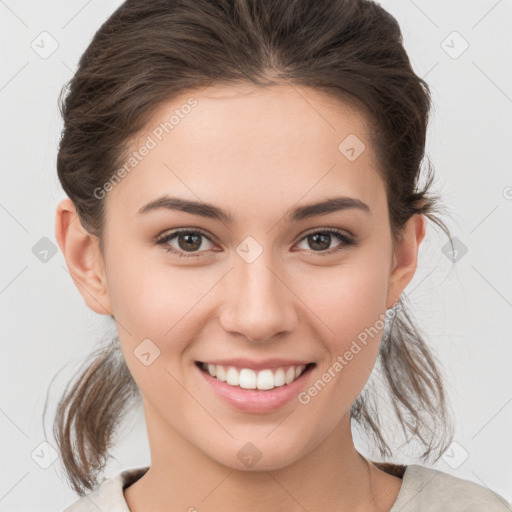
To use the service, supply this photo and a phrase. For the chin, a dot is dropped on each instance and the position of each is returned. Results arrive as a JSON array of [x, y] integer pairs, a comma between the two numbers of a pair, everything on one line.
[[259, 456]]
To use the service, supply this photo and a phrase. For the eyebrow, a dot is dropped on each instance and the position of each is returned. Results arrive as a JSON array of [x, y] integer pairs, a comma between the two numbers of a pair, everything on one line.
[[296, 214]]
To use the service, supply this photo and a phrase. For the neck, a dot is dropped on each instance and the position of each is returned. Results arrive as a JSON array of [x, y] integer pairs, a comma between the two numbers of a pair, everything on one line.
[[333, 476]]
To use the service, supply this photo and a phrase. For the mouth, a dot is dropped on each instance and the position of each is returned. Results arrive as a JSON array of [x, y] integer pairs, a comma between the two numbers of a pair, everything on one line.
[[247, 378]]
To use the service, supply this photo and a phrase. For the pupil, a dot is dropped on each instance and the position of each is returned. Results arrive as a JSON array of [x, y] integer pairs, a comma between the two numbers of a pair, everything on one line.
[[316, 237], [188, 238], [320, 241]]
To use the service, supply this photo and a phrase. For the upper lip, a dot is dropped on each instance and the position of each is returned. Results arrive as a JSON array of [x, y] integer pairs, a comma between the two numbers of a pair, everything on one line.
[[257, 365]]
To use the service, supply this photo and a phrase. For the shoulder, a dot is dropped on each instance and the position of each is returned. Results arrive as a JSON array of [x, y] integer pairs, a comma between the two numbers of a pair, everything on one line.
[[428, 490], [108, 496]]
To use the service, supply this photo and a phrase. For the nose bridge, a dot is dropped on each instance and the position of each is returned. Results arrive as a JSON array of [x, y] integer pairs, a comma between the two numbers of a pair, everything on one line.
[[260, 305]]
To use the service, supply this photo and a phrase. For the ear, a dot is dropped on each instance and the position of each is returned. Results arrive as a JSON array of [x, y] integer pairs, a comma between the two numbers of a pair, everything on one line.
[[405, 257], [83, 257]]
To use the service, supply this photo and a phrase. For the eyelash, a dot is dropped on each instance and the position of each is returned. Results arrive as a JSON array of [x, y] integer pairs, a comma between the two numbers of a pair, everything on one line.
[[347, 241]]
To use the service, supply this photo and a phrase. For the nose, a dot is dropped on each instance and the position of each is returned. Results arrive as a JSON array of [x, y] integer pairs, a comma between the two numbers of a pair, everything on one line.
[[259, 303]]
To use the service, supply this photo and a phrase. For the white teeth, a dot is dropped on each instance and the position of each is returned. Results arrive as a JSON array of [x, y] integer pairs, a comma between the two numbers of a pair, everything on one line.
[[279, 377], [232, 377], [265, 380], [221, 373], [248, 379], [290, 375]]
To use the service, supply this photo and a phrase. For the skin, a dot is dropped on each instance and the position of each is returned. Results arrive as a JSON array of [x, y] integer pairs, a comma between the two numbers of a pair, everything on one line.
[[255, 152]]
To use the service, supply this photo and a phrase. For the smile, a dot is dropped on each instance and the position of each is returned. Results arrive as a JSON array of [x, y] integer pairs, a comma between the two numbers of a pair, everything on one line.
[[246, 378]]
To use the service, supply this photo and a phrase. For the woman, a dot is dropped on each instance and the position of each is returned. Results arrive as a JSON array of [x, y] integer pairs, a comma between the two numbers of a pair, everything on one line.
[[243, 201]]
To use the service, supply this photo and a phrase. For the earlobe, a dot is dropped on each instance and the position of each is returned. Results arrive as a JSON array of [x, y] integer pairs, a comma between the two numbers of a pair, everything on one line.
[[83, 257], [405, 258]]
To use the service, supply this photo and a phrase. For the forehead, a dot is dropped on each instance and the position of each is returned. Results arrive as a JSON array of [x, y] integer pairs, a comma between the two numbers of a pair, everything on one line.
[[252, 147]]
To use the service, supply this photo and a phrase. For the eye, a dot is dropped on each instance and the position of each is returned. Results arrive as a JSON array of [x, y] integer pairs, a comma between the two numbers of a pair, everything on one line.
[[321, 240], [188, 241]]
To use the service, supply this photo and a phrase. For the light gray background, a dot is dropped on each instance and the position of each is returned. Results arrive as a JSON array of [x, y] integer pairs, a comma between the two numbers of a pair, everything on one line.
[[463, 307]]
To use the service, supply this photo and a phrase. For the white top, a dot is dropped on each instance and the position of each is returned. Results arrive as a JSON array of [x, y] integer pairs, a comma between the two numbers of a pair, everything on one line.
[[423, 490]]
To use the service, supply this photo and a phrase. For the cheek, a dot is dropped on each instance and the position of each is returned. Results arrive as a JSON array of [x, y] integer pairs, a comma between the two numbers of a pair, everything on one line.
[[154, 303], [350, 299], [153, 297], [347, 298]]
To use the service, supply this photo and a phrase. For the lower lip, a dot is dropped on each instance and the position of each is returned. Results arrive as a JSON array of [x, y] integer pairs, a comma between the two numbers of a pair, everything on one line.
[[256, 400]]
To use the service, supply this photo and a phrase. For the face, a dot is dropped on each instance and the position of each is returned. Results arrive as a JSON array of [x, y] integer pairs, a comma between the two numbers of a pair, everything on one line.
[[263, 282]]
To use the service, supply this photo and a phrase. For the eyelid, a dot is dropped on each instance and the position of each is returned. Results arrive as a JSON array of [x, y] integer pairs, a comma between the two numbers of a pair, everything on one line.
[[345, 238], [339, 231], [165, 237]]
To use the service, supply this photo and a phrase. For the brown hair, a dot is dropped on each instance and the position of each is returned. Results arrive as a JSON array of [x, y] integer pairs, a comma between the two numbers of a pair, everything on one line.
[[150, 51]]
